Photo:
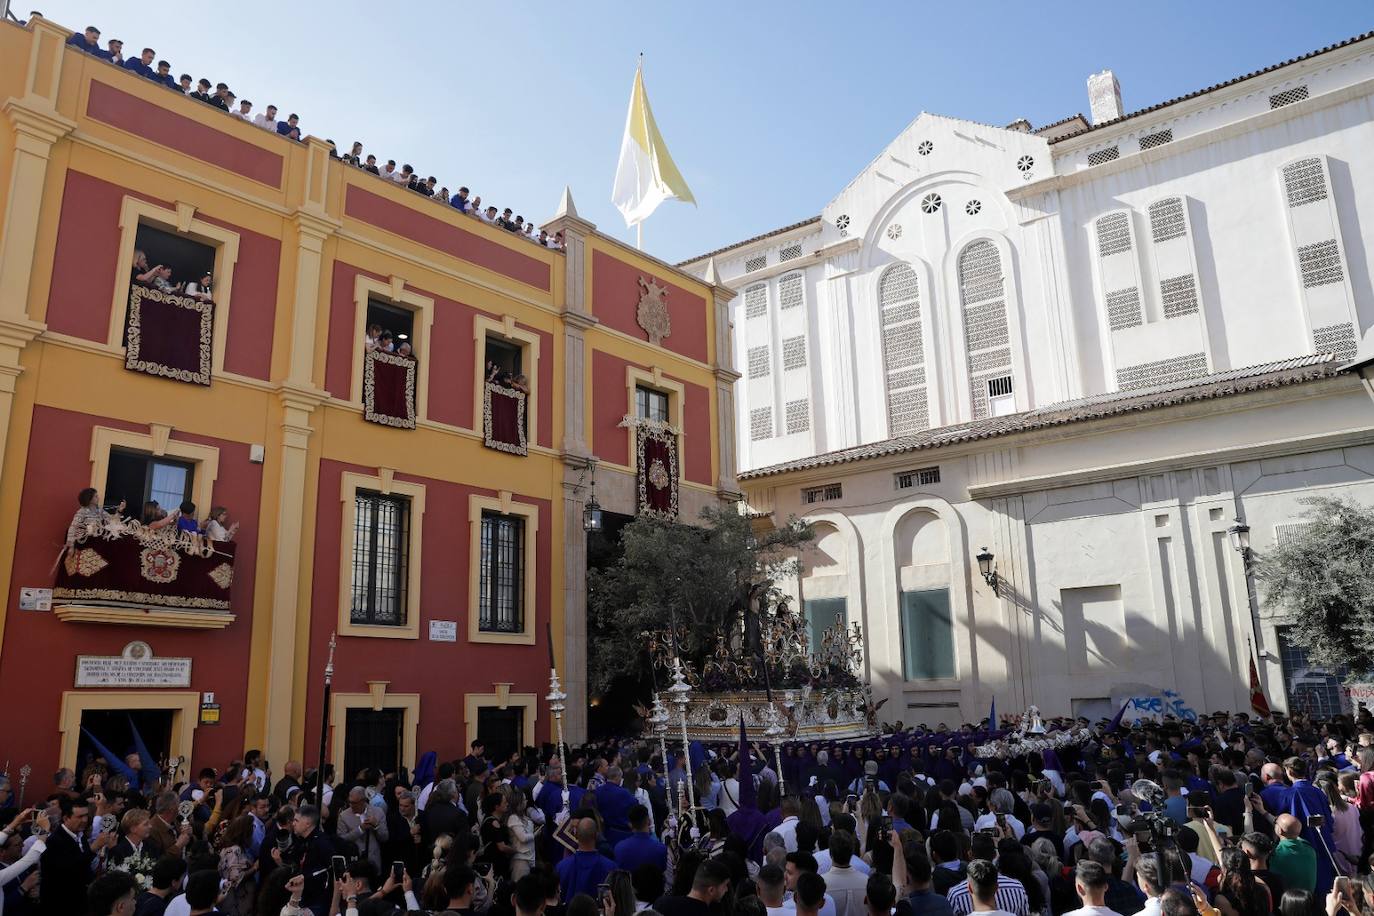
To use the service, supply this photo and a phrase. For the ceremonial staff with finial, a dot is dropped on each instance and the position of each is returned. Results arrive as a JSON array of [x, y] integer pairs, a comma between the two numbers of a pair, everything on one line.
[[557, 703], [773, 731], [24, 772], [680, 691], [324, 720]]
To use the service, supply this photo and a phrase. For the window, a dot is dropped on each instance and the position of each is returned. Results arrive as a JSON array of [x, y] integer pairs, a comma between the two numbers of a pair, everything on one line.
[[758, 262], [188, 259], [1158, 138], [1288, 97], [501, 589], [921, 477], [790, 252], [987, 336], [927, 635], [1097, 157], [505, 355], [138, 478], [381, 540], [822, 494], [822, 614], [651, 404], [760, 423], [1311, 689], [398, 322], [756, 301]]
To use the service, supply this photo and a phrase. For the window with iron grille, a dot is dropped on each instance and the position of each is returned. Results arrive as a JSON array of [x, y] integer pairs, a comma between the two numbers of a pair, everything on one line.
[[1099, 156], [999, 387], [1304, 181], [1158, 138], [1320, 263], [757, 262], [381, 542], [822, 494], [789, 252], [1288, 97], [798, 416], [756, 301], [921, 477], [501, 593], [794, 353], [758, 361], [760, 423]]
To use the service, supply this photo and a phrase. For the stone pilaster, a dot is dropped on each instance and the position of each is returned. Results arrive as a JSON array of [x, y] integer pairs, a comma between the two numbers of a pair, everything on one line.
[[721, 296]]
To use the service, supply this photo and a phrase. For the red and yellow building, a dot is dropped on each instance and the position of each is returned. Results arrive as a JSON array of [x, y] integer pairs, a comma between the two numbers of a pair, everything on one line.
[[433, 524]]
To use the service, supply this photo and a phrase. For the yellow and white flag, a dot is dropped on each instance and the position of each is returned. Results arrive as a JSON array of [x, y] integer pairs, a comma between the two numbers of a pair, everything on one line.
[[646, 175]]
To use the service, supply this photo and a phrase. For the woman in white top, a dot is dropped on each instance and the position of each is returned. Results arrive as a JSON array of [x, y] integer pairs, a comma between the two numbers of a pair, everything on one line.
[[215, 529], [200, 289], [521, 834]]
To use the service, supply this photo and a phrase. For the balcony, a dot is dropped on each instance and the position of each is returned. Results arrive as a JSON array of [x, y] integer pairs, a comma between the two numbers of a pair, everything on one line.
[[120, 571], [389, 389], [503, 419], [656, 466], [169, 335]]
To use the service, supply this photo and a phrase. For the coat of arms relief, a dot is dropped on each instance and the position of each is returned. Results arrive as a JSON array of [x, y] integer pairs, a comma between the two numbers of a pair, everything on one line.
[[652, 314]]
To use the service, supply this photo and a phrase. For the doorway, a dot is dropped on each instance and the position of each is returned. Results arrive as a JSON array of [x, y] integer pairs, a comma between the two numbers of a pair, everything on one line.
[[372, 740], [115, 730], [501, 731]]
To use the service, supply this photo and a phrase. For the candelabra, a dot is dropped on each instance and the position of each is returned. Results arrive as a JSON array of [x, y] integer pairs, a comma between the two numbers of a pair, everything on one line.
[[680, 692], [557, 703], [773, 730], [659, 718]]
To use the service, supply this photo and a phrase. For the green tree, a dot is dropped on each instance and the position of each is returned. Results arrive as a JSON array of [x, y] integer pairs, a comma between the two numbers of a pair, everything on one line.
[[706, 577], [1323, 578]]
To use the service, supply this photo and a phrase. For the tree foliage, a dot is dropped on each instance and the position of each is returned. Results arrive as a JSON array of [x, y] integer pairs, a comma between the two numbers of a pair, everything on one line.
[[701, 576], [1323, 578]]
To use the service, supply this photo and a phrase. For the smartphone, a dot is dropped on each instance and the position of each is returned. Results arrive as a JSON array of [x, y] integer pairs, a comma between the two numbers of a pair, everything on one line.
[[482, 868], [852, 801], [398, 870], [1197, 813], [1316, 820], [1249, 788], [884, 828], [988, 831], [1342, 885], [337, 866]]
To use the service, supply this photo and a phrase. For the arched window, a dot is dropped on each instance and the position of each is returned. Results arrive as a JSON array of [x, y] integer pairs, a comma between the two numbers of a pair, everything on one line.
[[987, 339], [903, 351]]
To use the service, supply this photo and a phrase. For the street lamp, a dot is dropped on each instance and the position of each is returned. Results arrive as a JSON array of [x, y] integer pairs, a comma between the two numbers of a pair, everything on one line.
[[591, 512], [1239, 534], [985, 568]]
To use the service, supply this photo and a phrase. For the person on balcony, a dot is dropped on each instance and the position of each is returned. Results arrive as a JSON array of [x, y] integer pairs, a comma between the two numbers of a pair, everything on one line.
[[163, 281], [186, 520], [405, 350], [373, 338], [386, 342], [200, 290], [155, 517], [217, 527], [89, 515], [142, 273], [521, 383]]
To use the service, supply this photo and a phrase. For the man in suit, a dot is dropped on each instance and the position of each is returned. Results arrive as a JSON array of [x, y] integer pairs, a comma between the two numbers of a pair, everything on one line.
[[166, 837], [66, 866], [310, 853], [442, 815], [365, 826]]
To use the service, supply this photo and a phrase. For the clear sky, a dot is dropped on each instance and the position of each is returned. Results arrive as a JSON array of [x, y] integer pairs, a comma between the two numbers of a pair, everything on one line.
[[769, 108]]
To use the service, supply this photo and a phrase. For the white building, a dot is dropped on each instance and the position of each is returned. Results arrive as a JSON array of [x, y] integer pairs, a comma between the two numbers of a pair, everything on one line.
[[1089, 348]]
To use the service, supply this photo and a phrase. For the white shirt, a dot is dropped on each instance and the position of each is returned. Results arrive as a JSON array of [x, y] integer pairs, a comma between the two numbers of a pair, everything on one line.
[[400, 177], [848, 886], [1093, 911], [788, 831], [25, 862], [178, 907], [265, 123], [827, 908], [823, 863], [989, 822], [1152, 907]]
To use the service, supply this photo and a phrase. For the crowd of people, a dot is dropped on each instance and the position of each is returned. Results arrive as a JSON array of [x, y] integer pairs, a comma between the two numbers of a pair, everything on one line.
[[1227, 816], [91, 515], [219, 95]]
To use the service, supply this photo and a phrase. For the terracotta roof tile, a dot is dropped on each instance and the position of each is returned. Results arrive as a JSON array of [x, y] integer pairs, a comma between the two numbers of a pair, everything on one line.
[[757, 238], [1231, 82], [1219, 385]]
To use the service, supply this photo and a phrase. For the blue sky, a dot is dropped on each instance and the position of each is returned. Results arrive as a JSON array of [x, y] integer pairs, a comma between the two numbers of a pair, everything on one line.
[[768, 108]]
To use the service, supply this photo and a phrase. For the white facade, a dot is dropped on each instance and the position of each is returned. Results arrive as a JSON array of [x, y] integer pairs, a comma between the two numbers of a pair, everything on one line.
[[1215, 232], [940, 314]]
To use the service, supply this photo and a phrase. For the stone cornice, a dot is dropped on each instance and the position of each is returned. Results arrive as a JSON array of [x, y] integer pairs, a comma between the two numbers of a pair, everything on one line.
[[577, 319], [37, 119], [728, 376]]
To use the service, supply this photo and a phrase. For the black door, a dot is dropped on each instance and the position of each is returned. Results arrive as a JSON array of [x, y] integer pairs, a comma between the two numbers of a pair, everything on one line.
[[372, 740], [114, 729], [500, 730]]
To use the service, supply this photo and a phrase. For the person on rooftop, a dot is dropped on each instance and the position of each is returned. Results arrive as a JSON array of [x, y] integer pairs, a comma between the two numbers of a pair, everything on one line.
[[290, 127], [389, 170], [164, 75], [460, 201], [142, 65], [371, 165], [88, 41], [245, 112], [355, 155], [406, 176], [185, 84], [221, 97], [202, 93], [115, 52]]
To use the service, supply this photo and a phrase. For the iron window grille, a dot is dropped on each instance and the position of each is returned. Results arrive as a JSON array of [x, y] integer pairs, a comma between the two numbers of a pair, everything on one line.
[[501, 595], [381, 542]]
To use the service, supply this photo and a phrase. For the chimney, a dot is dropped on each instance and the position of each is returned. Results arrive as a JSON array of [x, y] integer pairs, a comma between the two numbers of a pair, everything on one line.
[[1104, 97], [1020, 125]]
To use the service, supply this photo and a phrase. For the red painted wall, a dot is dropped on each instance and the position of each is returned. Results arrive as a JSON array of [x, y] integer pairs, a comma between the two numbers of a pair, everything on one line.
[[437, 233], [440, 672], [86, 263], [610, 400], [615, 301], [162, 126], [38, 659]]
